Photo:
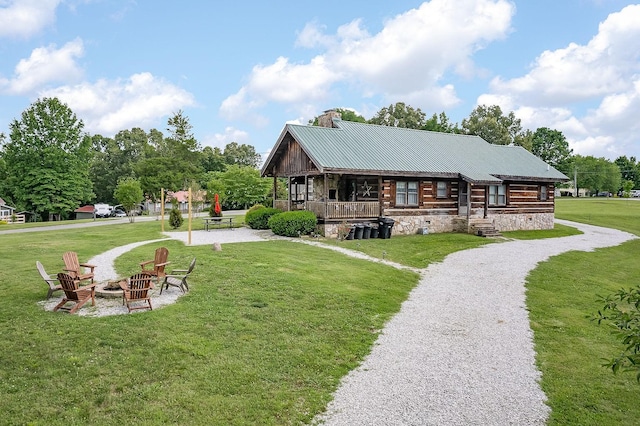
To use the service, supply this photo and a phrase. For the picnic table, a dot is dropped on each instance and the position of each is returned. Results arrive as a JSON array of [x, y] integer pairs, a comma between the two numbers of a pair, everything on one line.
[[217, 222]]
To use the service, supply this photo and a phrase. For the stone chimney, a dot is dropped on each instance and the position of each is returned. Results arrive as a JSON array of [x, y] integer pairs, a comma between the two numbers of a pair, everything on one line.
[[326, 119]]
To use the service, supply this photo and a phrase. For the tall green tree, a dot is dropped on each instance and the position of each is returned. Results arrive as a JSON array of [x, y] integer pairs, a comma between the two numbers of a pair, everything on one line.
[[174, 163], [240, 187], [493, 126], [241, 155], [129, 193], [213, 159], [552, 147], [629, 170], [597, 174], [116, 158], [48, 159], [400, 115], [440, 123]]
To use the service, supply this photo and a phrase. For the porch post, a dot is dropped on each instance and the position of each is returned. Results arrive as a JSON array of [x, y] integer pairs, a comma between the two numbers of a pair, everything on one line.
[[275, 189], [306, 190], [326, 195]]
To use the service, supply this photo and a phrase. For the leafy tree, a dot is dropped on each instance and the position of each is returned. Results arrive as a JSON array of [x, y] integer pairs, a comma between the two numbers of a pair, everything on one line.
[[629, 169], [440, 123], [490, 124], [400, 115], [552, 147], [181, 142], [627, 186], [48, 159], [213, 159], [240, 187], [116, 158], [129, 194], [241, 155], [621, 310], [175, 162], [597, 174]]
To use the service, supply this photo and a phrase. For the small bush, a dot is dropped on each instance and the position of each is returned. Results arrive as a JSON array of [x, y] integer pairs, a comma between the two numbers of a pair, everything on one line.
[[293, 224], [3, 222], [255, 207], [175, 218], [259, 218]]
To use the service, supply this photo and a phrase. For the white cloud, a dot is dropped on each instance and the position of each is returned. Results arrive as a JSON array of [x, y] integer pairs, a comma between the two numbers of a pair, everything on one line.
[[406, 59], [45, 65], [24, 18], [563, 86], [231, 134], [107, 107]]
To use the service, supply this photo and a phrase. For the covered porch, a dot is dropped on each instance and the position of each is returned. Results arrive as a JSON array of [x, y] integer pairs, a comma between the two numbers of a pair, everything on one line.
[[333, 197]]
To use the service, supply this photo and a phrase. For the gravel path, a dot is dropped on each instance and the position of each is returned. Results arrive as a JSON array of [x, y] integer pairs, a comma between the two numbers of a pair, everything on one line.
[[460, 351]]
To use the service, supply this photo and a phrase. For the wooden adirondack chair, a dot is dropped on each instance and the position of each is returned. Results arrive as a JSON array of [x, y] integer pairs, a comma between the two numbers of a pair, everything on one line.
[[75, 294], [178, 280], [49, 279], [136, 289], [158, 263], [73, 267]]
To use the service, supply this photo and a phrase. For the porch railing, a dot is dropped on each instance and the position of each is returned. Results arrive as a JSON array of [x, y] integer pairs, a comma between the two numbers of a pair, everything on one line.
[[336, 209]]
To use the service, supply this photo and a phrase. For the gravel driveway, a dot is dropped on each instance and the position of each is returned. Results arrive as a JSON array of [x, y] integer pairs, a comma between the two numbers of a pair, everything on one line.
[[460, 351]]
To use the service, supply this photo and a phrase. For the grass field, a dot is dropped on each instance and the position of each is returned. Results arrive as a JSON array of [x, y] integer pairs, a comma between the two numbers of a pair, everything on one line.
[[269, 328], [562, 296], [263, 337]]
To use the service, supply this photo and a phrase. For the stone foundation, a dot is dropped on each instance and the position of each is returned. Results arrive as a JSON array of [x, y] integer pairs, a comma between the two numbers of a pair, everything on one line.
[[436, 224], [523, 222]]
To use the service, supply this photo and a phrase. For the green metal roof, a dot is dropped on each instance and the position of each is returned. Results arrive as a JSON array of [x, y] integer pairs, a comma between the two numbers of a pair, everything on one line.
[[394, 150]]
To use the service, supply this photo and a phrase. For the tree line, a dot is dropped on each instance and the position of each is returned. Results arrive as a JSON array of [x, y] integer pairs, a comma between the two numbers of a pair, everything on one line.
[[50, 166]]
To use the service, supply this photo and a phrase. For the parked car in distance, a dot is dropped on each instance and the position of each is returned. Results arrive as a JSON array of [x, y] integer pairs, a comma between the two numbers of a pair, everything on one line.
[[119, 213], [102, 210]]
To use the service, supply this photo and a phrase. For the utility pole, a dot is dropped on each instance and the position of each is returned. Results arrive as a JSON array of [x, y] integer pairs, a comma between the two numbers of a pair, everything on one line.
[[575, 180]]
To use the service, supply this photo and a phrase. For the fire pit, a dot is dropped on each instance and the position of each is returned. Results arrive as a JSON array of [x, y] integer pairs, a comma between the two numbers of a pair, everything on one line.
[[109, 289]]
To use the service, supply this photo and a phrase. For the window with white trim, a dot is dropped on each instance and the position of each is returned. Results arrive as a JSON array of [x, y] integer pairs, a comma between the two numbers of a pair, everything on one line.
[[497, 195], [406, 193], [441, 189]]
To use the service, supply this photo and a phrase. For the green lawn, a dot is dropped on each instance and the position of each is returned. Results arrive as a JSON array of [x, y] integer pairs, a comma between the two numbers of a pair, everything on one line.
[[561, 297], [264, 336], [269, 328]]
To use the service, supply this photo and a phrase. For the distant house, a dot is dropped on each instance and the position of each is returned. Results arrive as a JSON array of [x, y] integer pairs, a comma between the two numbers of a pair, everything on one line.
[[85, 212], [442, 182], [6, 211]]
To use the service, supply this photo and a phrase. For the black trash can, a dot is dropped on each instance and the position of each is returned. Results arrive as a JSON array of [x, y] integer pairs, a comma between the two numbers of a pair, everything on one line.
[[366, 232], [359, 230], [384, 227], [374, 231], [351, 233]]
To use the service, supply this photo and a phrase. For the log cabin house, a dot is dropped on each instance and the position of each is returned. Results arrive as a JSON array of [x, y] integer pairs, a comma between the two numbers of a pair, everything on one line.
[[425, 181]]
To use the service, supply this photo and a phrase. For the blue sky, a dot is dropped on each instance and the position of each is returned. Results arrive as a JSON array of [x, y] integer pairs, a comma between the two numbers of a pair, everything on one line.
[[241, 70]]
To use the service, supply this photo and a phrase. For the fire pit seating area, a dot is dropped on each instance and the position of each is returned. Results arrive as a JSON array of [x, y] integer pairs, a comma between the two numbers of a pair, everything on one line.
[[135, 291]]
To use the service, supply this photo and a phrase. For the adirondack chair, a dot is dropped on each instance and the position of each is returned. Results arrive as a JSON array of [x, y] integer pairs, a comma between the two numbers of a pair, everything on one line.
[[72, 267], [49, 279], [178, 278], [75, 294], [136, 289], [158, 263]]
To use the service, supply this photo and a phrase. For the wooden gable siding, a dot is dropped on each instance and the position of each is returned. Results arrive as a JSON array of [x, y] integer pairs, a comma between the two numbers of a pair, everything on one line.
[[294, 161]]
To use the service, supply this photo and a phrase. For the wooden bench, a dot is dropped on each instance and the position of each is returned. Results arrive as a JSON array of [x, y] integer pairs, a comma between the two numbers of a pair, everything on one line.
[[217, 222]]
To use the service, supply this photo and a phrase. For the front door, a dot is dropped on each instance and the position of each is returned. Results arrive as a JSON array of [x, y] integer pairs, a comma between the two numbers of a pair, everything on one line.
[[463, 198]]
